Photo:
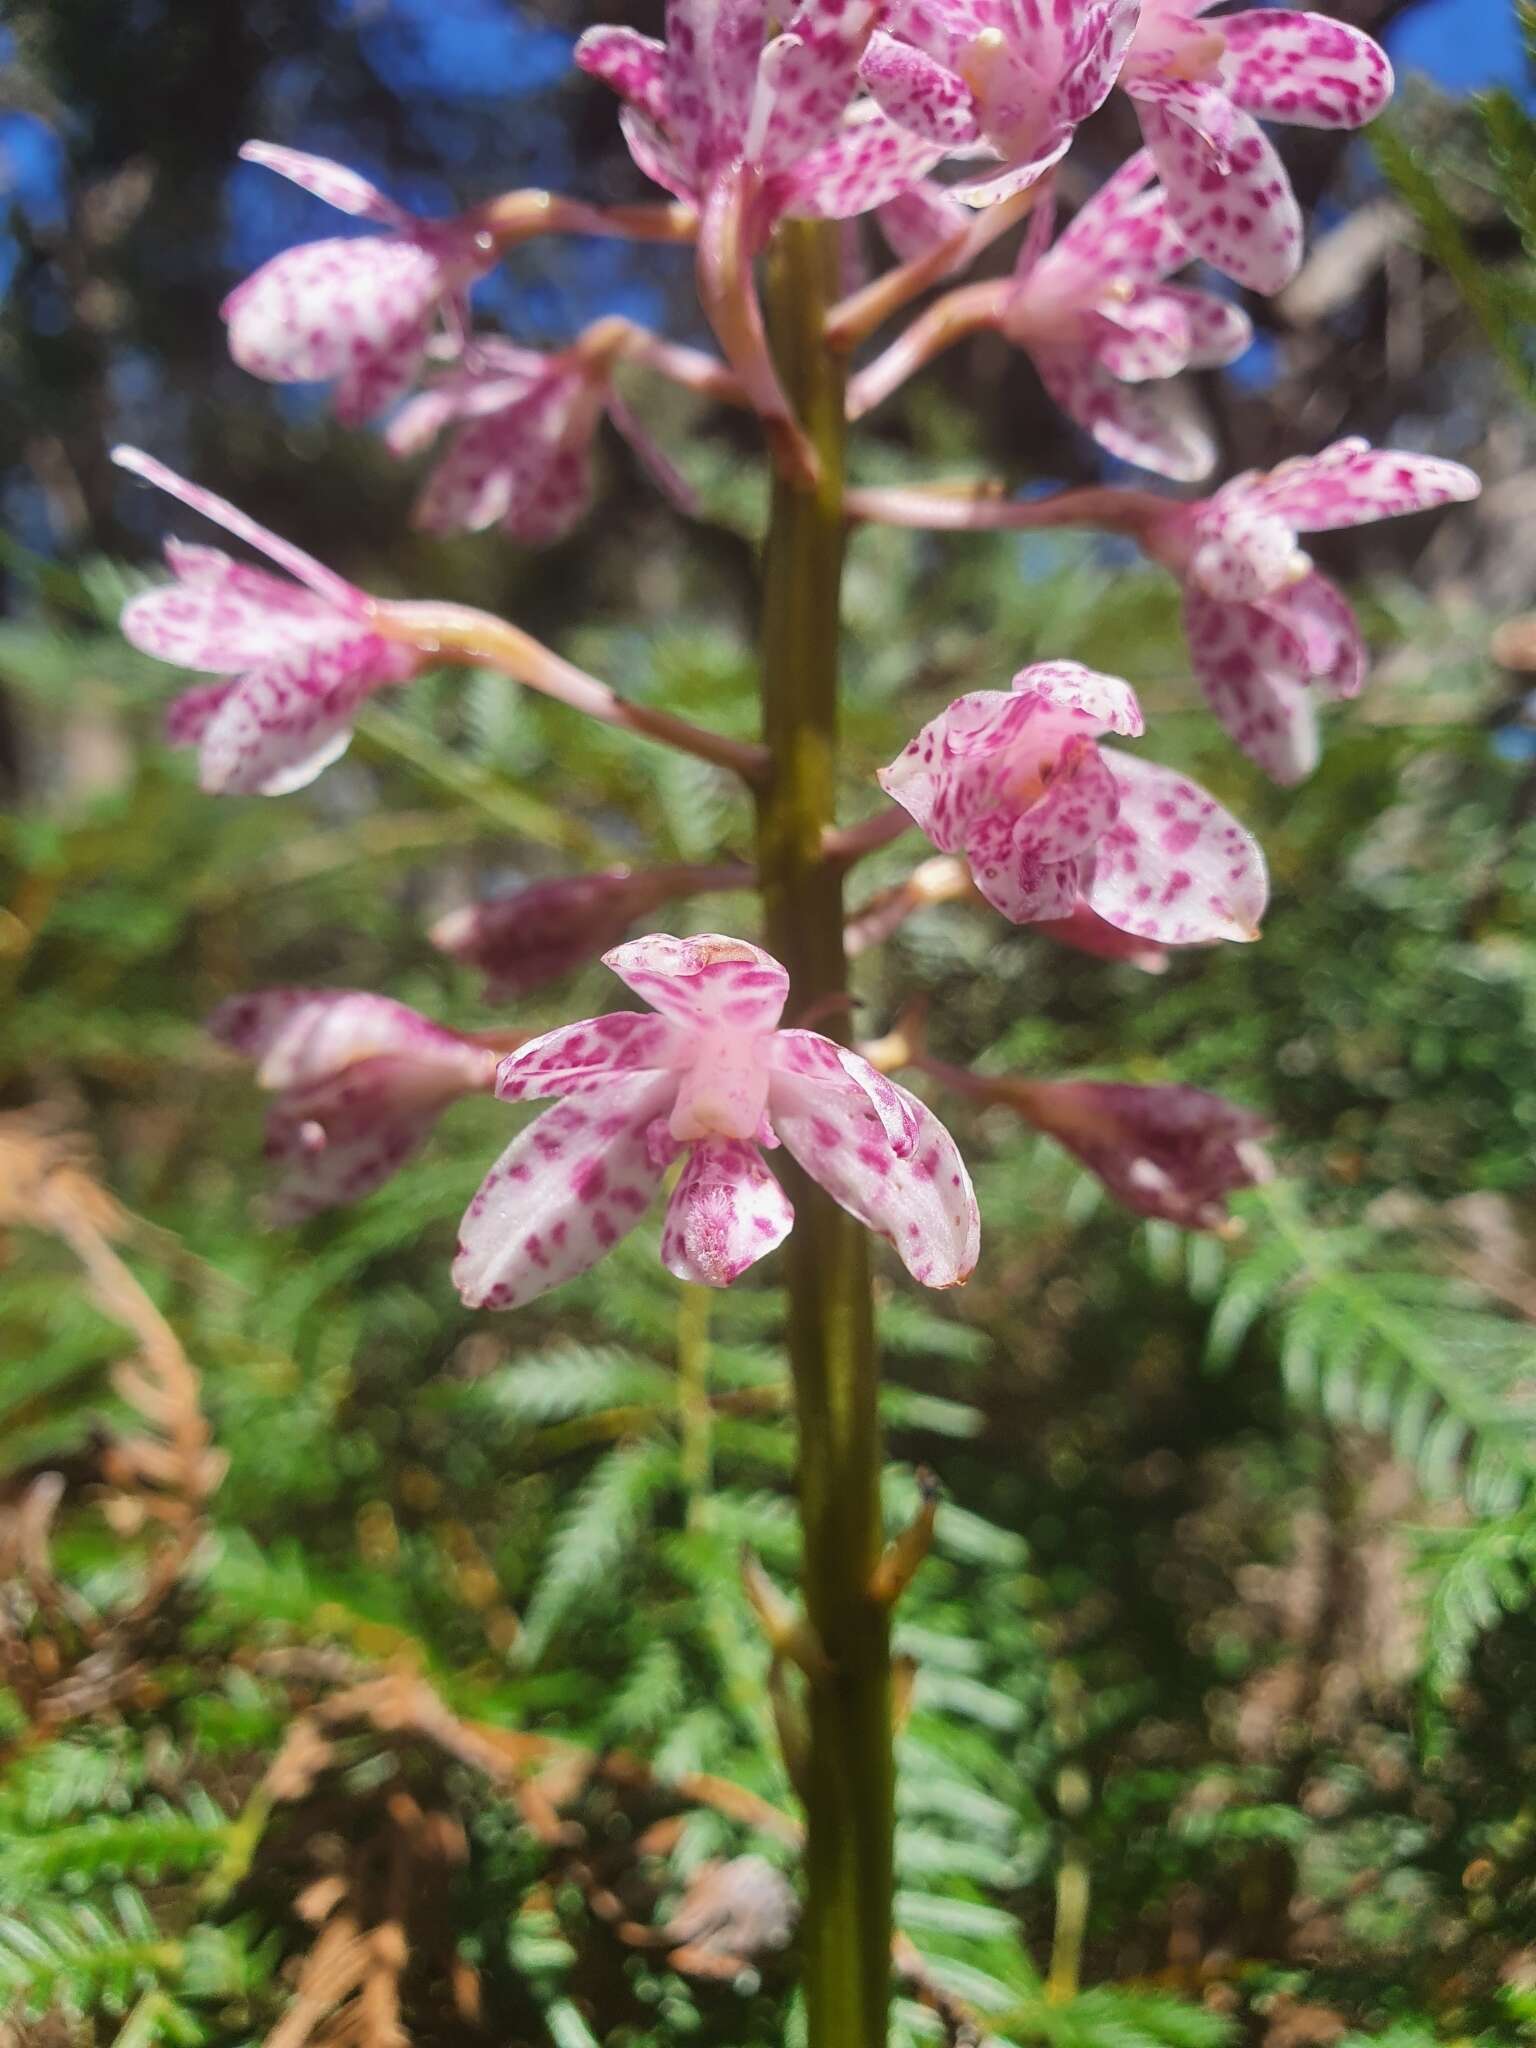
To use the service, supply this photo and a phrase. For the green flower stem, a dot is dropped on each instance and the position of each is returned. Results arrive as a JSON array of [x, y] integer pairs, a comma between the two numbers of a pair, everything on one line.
[[849, 1781]]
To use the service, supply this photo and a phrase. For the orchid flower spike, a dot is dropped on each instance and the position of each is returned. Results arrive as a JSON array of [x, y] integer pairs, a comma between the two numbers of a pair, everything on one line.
[[1172, 1152], [1105, 329], [709, 1078], [1198, 85], [721, 94], [303, 654], [359, 1083], [358, 311], [1008, 80], [1048, 819], [1262, 624]]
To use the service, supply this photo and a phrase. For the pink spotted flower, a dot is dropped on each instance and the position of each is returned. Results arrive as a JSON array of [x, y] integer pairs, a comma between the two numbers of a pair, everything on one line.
[[296, 655], [1106, 330], [359, 1082], [1004, 80], [519, 429], [706, 1077], [1202, 86], [1268, 635], [720, 94], [354, 311], [750, 128], [1047, 819], [1099, 320]]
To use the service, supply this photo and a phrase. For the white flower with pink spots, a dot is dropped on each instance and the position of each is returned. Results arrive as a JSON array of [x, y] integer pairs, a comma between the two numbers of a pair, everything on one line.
[[1106, 330], [1046, 818], [1201, 87], [1008, 80], [301, 656], [1268, 635], [357, 312], [706, 1077], [359, 1082], [721, 93]]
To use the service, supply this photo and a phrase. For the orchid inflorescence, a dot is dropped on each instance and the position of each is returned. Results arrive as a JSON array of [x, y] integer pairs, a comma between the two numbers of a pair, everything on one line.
[[945, 120]]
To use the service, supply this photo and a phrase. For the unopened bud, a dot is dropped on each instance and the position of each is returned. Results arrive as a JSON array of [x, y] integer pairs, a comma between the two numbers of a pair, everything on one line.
[[1171, 1152], [548, 929]]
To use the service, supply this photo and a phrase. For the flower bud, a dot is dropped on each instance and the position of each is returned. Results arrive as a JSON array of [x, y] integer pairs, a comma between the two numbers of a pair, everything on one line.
[[548, 929], [1171, 1152]]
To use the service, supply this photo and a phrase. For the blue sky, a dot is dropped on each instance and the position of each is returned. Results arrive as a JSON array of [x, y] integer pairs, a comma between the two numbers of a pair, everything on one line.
[[1463, 43]]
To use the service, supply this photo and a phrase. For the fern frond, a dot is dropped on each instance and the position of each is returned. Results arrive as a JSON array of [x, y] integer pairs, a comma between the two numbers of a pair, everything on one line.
[[147, 1844], [595, 1535]]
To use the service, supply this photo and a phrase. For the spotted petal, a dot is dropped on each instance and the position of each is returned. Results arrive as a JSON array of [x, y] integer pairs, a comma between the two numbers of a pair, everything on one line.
[[1303, 68], [1252, 667], [220, 615], [1321, 617], [806, 79], [1157, 428], [339, 1140], [565, 1191], [586, 1058], [1234, 207], [281, 724], [922, 1204], [348, 191], [634, 65], [726, 1212], [1352, 484], [1028, 863], [298, 1036], [357, 311], [1219, 332], [867, 162], [707, 982], [919, 93], [1175, 867]]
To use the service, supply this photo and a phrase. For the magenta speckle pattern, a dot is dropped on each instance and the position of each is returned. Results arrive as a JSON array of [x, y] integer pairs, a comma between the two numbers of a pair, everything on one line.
[[1008, 78], [719, 94], [1199, 85], [1047, 819], [1097, 315], [726, 1212], [302, 658], [357, 313], [1268, 636], [359, 1082], [706, 1075], [519, 452]]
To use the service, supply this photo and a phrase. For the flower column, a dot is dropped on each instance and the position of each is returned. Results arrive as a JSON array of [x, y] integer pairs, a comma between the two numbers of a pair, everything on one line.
[[848, 1776]]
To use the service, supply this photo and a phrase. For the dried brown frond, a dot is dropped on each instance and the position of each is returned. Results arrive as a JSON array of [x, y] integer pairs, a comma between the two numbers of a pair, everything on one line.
[[63, 1659], [377, 1916]]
